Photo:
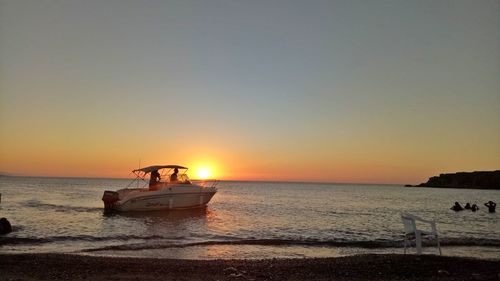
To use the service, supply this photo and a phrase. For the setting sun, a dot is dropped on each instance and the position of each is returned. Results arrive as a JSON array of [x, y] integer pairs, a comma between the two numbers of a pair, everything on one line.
[[203, 173], [204, 169]]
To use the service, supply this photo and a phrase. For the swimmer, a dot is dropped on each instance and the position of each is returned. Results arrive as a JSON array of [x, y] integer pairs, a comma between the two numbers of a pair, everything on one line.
[[457, 207], [491, 206], [474, 207]]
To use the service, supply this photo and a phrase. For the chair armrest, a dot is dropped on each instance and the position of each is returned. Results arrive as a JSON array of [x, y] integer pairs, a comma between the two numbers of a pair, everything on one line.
[[423, 220], [431, 222]]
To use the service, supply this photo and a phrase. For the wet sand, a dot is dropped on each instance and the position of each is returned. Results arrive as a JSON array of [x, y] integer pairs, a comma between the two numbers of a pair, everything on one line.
[[360, 267]]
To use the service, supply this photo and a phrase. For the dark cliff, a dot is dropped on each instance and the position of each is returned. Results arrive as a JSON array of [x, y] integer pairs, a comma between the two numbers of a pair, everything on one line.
[[483, 180]]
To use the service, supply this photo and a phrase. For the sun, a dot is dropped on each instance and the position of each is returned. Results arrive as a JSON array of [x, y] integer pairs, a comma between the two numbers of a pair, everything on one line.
[[203, 173], [204, 170]]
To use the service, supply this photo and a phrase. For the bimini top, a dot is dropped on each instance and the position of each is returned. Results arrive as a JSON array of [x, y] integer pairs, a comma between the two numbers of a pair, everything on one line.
[[158, 167]]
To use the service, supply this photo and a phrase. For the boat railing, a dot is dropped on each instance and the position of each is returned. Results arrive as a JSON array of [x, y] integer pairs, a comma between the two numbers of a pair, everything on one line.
[[210, 183], [140, 181]]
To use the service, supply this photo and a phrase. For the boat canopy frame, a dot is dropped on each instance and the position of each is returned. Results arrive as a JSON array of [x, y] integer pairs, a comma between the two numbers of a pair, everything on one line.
[[150, 169], [140, 174]]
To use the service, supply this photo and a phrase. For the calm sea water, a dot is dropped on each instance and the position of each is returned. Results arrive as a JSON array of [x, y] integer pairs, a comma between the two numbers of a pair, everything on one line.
[[243, 220]]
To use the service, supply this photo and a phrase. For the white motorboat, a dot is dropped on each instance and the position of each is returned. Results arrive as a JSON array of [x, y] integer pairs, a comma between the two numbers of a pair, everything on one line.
[[166, 189]]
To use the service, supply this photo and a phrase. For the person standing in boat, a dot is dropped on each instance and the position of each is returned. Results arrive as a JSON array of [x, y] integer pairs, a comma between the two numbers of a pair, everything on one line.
[[154, 180], [173, 177]]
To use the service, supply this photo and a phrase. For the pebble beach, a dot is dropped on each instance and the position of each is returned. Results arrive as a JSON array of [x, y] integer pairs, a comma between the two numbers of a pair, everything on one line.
[[359, 267]]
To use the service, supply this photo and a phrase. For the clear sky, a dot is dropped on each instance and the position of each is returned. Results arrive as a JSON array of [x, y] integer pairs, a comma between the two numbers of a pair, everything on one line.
[[345, 91]]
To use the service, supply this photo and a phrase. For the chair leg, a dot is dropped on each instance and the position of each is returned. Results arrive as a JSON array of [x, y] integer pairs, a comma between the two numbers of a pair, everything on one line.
[[405, 245], [439, 246], [418, 242]]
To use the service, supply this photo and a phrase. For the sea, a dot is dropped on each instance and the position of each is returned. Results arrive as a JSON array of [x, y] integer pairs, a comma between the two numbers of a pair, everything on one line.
[[244, 220]]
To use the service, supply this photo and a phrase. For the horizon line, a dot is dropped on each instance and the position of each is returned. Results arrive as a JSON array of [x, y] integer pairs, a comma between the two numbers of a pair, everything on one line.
[[222, 180]]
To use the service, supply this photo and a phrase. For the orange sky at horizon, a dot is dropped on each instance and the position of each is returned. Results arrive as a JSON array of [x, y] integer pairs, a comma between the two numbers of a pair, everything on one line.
[[222, 167]]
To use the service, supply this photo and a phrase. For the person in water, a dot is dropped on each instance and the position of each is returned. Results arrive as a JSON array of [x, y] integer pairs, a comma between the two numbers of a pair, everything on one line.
[[155, 179], [173, 177], [491, 206], [457, 207], [474, 207], [467, 206]]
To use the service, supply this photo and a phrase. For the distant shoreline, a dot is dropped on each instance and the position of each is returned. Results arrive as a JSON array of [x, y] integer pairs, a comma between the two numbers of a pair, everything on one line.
[[61, 177], [255, 181], [359, 267], [431, 183]]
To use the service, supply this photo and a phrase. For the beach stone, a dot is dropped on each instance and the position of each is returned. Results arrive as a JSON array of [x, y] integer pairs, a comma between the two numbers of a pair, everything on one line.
[[443, 272], [230, 270], [477, 276]]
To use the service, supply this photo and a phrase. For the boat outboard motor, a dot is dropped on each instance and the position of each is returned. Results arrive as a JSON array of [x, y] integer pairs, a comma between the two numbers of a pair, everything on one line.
[[109, 198]]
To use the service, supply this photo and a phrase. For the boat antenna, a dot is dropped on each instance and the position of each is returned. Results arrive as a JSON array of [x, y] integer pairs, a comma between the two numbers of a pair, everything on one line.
[[139, 169]]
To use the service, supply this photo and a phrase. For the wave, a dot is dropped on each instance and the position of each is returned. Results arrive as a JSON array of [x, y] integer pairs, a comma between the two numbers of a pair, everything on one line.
[[164, 242], [78, 238], [291, 242], [59, 208]]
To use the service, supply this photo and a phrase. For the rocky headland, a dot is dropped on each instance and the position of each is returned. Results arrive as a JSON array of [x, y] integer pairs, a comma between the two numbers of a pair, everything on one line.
[[479, 180]]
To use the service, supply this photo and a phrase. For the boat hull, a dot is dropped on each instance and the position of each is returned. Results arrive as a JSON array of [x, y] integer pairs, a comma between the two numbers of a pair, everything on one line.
[[166, 198]]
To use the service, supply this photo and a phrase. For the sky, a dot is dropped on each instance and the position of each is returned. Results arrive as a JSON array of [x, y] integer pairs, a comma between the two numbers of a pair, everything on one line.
[[366, 91]]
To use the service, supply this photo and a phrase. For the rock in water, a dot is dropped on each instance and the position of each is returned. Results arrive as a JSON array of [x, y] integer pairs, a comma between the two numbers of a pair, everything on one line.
[[5, 226]]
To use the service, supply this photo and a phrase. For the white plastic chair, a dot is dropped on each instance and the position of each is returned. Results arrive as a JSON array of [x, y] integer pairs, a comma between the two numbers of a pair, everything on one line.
[[413, 233]]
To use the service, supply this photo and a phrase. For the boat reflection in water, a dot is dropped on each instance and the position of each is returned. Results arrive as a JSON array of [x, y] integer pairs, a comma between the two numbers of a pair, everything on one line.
[[167, 190], [172, 215]]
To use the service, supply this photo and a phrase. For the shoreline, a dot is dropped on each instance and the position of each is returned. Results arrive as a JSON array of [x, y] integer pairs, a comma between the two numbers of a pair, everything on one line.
[[358, 267]]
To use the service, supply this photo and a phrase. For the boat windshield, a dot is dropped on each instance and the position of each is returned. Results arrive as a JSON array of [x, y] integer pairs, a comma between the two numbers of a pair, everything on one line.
[[165, 174], [169, 176]]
